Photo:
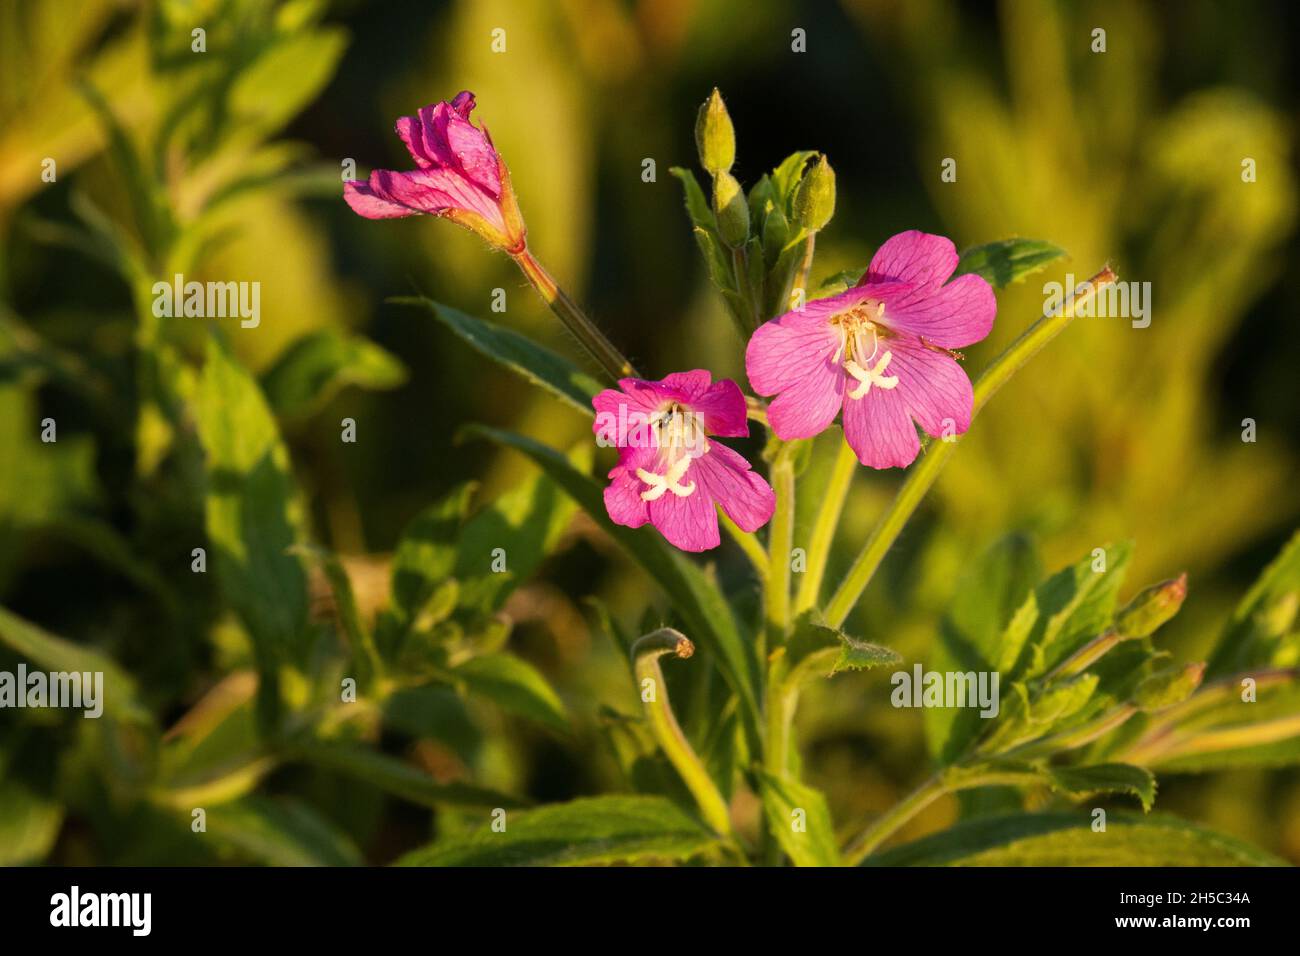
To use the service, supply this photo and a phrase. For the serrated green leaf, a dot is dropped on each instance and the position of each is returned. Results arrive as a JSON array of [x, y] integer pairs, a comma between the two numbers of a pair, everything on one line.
[[317, 366], [518, 353], [799, 819], [594, 830], [707, 615], [1072, 607], [514, 685], [1008, 260], [1067, 839], [1105, 778]]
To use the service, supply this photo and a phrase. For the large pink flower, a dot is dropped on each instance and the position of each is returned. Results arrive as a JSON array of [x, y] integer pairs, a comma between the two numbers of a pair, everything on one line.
[[881, 352], [460, 177], [669, 472]]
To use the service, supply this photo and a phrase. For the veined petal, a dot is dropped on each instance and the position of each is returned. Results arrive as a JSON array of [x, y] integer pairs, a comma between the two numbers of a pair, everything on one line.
[[623, 499], [689, 522], [879, 429], [952, 316], [793, 357], [934, 388], [914, 257], [728, 479], [364, 202], [722, 404]]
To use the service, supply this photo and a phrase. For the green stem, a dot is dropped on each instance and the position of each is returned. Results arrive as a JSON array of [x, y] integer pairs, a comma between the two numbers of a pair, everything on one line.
[[575, 320], [828, 518], [951, 780], [924, 473], [780, 544], [646, 653]]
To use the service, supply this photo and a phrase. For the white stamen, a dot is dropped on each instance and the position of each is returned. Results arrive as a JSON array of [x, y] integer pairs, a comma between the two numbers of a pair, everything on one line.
[[667, 482], [871, 376]]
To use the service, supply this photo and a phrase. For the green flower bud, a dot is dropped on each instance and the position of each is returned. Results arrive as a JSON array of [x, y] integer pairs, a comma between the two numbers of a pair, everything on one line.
[[714, 136], [814, 200], [731, 208], [1152, 608], [1168, 687]]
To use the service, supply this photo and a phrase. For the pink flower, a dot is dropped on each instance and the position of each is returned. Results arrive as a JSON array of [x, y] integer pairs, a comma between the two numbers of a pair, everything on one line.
[[669, 473], [460, 177], [881, 352]]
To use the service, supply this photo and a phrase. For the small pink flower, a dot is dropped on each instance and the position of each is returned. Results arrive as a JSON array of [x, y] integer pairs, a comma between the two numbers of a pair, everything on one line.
[[669, 473], [881, 352], [461, 177]]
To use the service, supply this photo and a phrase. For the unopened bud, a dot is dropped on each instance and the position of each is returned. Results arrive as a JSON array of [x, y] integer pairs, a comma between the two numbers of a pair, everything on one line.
[[731, 208], [814, 200], [1152, 608], [1168, 687], [714, 136]]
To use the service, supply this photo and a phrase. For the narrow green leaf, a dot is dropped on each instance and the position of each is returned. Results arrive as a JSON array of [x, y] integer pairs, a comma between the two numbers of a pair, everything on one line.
[[1067, 839], [285, 78], [317, 366], [1008, 260], [517, 352], [817, 651], [53, 653], [1105, 778], [426, 555], [610, 829], [697, 205], [1254, 635], [515, 685], [254, 517], [798, 817], [281, 833], [400, 779], [971, 633]]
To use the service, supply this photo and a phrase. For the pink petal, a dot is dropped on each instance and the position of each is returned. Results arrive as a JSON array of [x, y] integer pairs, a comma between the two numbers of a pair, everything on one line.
[[364, 202], [953, 316], [474, 153], [727, 478], [689, 523], [411, 130], [934, 388], [916, 258], [879, 429], [463, 103], [435, 191], [723, 406], [623, 499], [792, 358]]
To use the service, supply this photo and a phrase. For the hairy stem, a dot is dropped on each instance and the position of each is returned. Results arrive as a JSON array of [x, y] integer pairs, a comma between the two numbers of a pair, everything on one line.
[[645, 654], [780, 544], [828, 519], [924, 473], [575, 320]]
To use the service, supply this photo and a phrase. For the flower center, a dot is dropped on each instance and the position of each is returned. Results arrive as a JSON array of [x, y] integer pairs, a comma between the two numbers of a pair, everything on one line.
[[679, 436], [857, 326]]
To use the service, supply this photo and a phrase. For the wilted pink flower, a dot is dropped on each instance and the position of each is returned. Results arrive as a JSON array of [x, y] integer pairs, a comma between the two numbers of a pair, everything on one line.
[[460, 177], [880, 351], [669, 473]]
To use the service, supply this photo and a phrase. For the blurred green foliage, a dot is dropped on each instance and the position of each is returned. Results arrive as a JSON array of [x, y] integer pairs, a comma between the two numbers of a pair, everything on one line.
[[501, 692]]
